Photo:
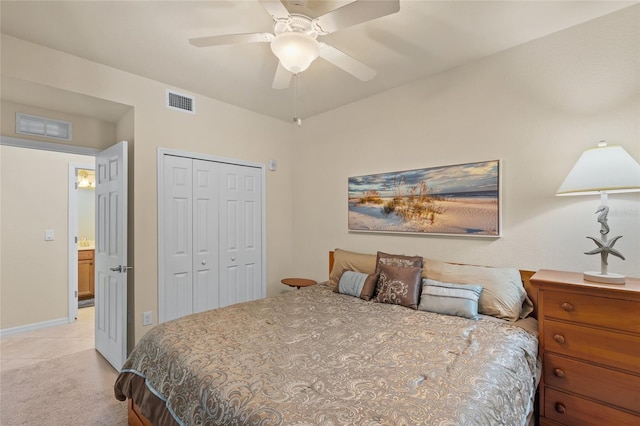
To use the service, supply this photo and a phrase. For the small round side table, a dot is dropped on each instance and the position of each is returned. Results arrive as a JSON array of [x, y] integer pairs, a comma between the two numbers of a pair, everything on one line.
[[298, 282]]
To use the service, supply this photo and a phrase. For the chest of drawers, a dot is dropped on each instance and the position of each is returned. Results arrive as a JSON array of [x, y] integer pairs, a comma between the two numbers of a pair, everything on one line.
[[590, 349]]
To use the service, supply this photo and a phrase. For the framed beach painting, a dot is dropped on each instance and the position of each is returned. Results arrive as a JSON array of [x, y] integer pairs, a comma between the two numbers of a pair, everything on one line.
[[461, 200]]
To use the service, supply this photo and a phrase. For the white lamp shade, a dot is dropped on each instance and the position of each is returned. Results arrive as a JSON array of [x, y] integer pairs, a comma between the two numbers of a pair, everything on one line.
[[606, 168], [295, 50]]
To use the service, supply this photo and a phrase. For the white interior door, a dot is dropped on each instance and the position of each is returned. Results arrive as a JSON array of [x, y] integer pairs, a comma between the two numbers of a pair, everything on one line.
[[111, 254], [190, 238], [240, 234]]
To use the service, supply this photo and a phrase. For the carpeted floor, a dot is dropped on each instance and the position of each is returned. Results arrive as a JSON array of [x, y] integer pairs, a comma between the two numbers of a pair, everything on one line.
[[75, 389]]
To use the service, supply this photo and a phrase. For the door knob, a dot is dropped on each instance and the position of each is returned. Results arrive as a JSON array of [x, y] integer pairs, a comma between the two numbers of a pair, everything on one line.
[[233, 259], [204, 262]]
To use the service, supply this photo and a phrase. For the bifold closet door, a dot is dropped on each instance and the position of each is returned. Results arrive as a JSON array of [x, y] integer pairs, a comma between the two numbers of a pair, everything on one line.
[[240, 234], [206, 283], [190, 237]]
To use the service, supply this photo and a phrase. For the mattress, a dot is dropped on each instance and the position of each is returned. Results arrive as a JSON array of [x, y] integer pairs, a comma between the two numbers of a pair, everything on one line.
[[312, 356]]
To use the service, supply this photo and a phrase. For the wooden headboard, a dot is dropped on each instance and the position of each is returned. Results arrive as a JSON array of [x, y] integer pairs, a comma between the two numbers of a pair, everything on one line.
[[524, 275]]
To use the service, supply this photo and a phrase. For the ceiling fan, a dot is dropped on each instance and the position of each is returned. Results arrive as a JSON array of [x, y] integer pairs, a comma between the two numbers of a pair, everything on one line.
[[295, 42]]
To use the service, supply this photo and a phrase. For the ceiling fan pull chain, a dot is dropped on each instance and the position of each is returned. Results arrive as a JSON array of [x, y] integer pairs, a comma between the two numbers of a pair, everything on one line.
[[296, 91]]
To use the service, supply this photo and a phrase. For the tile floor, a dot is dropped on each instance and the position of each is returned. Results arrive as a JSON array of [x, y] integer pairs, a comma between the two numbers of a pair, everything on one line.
[[30, 347]]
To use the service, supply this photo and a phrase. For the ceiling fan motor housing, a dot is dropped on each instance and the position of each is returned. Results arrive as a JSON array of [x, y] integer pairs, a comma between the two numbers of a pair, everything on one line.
[[295, 22]]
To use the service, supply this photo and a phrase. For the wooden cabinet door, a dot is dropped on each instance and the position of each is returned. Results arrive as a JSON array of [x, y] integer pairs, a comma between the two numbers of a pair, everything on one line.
[[85, 279]]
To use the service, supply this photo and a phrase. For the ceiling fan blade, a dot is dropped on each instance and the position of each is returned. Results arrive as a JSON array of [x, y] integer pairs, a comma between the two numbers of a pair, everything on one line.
[[346, 62], [275, 9], [219, 40], [282, 79], [355, 13]]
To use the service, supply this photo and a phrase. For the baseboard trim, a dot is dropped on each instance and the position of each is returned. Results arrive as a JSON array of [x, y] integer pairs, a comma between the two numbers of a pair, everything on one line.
[[34, 326]]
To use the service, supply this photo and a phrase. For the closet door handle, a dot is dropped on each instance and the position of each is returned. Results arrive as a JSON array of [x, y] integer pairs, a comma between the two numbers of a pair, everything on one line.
[[204, 262], [233, 259]]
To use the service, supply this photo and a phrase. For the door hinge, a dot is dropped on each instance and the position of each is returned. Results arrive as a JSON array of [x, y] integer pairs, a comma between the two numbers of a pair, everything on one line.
[[75, 239], [76, 185], [76, 294]]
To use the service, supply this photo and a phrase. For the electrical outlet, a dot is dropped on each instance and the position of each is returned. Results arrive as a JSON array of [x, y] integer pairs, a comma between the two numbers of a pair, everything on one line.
[[147, 318]]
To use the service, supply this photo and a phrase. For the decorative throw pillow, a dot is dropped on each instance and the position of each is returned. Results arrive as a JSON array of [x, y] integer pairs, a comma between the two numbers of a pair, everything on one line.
[[399, 285], [503, 295], [398, 260], [349, 260], [450, 299], [357, 284]]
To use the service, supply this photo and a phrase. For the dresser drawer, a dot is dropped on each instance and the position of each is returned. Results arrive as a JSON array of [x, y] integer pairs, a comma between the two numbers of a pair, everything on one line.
[[610, 386], [572, 410], [599, 311], [617, 350]]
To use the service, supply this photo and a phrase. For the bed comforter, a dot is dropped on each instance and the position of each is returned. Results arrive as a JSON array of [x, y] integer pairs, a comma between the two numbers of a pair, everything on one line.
[[312, 356]]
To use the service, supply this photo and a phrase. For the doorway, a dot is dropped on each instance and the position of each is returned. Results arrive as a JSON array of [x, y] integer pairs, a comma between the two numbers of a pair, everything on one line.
[[81, 237]]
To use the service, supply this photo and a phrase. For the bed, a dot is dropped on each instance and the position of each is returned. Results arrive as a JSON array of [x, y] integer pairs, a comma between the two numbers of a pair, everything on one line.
[[319, 355]]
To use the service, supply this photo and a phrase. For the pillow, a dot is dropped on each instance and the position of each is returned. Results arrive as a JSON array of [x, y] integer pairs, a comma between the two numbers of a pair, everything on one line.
[[503, 295], [357, 284], [397, 260], [348, 260], [399, 285], [450, 299]]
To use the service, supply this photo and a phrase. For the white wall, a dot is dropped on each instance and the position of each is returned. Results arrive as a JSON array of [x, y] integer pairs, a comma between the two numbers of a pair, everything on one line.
[[217, 129], [86, 214], [536, 107], [34, 276]]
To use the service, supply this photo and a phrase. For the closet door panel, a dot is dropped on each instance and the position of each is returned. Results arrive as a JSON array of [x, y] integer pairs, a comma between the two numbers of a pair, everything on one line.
[[240, 233], [252, 235], [178, 279], [205, 236]]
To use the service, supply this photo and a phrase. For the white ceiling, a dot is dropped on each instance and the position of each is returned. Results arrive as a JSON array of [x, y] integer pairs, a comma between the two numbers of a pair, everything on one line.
[[149, 38]]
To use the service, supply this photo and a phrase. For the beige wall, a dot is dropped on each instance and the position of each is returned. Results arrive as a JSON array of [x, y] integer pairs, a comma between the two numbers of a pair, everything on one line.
[[86, 131], [34, 284], [536, 107], [217, 129]]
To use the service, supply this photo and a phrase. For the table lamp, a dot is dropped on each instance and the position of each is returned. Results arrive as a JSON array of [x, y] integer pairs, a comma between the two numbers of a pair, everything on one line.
[[602, 170]]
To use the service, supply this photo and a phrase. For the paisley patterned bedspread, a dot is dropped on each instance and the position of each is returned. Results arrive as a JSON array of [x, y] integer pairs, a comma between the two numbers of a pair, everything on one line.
[[312, 356]]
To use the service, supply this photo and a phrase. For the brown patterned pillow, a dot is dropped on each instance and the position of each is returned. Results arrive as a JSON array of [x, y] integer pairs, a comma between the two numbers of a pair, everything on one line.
[[399, 285], [398, 260]]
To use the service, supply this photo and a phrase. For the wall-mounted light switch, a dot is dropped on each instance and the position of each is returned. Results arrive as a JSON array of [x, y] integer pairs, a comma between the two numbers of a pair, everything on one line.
[[273, 165], [49, 235], [146, 318]]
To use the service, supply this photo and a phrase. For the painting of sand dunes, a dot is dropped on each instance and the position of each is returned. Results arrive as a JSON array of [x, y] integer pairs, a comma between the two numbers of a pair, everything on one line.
[[462, 199]]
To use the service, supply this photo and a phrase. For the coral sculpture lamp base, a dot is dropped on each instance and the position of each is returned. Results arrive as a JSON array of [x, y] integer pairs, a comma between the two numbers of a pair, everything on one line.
[[608, 278]]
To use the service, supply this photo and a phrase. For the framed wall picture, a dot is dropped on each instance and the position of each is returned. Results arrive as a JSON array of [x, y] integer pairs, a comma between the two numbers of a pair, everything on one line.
[[461, 199]]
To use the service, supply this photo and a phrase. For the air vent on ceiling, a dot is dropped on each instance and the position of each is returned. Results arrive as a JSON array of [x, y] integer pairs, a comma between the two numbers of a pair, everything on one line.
[[42, 126], [180, 102]]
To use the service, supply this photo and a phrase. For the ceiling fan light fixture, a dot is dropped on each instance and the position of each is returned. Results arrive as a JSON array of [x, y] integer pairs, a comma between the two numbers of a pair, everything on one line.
[[295, 50]]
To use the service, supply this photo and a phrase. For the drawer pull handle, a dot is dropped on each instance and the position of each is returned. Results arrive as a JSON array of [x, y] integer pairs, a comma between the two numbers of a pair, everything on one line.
[[559, 338], [567, 307], [560, 408], [558, 372]]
